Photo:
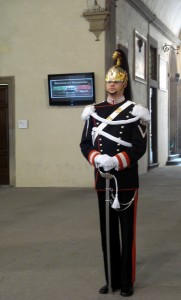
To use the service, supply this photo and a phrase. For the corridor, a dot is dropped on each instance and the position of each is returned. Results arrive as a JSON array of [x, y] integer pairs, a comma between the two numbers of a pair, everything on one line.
[[50, 243]]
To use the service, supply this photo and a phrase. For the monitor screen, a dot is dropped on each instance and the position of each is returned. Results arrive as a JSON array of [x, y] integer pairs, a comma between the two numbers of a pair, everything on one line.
[[71, 89]]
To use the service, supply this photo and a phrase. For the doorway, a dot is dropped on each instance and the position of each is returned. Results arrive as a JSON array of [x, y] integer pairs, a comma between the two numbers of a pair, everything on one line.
[[7, 131], [4, 135], [153, 151], [174, 138]]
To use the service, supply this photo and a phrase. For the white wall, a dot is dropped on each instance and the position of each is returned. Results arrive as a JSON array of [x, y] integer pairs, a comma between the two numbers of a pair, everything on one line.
[[37, 38]]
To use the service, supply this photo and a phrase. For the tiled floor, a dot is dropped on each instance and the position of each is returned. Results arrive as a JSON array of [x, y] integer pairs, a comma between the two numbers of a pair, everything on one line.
[[50, 243]]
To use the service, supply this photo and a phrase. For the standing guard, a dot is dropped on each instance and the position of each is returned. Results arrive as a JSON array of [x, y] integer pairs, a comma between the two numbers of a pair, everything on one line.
[[113, 140]]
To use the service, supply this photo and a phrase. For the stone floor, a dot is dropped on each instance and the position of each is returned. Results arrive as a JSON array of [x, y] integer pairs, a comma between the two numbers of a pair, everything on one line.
[[50, 243]]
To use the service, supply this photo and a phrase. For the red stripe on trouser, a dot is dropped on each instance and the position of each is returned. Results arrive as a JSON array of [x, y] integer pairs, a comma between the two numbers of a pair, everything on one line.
[[134, 239]]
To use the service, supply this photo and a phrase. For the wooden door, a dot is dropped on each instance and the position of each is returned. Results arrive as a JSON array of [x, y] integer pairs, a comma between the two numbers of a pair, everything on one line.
[[4, 136]]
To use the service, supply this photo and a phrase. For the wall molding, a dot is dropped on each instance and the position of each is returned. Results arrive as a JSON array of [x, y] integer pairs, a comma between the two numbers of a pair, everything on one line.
[[152, 19]]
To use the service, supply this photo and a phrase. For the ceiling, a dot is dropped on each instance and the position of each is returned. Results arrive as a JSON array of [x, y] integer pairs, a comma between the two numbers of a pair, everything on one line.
[[168, 11]]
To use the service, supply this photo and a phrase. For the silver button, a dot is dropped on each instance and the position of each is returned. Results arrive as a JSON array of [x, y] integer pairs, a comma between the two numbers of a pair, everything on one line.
[[101, 150], [100, 144], [127, 117], [122, 126], [117, 150], [120, 132]]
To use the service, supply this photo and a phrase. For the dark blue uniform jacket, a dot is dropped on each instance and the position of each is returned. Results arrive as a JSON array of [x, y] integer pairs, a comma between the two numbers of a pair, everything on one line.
[[134, 133]]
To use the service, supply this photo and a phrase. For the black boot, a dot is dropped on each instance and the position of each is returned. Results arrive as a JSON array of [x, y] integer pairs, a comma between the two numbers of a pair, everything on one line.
[[127, 291], [104, 289]]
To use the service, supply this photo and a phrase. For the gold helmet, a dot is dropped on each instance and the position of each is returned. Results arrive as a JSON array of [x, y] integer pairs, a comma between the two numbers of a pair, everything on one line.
[[116, 73]]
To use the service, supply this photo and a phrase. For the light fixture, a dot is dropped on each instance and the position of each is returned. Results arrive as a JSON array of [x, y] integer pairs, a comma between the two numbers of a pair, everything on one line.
[[167, 47], [96, 16], [140, 44], [177, 78]]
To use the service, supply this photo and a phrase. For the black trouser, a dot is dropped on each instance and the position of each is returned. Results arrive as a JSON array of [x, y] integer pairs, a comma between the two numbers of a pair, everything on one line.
[[122, 239]]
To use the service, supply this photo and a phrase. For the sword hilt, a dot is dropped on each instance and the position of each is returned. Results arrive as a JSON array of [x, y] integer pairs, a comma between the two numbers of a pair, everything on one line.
[[106, 175]]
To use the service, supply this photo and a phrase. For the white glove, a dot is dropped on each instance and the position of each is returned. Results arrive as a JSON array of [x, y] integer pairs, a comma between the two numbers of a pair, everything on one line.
[[100, 160], [111, 163], [106, 162], [97, 160]]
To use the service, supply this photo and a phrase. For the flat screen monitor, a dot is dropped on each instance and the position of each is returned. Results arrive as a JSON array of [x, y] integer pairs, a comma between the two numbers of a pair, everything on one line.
[[71, 89]]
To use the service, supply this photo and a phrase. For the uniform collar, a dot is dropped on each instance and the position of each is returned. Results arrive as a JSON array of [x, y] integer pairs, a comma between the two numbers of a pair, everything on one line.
[[116, 101]]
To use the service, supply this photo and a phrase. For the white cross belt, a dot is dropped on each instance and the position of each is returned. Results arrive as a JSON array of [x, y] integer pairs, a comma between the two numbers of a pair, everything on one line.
[[110, 137]]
